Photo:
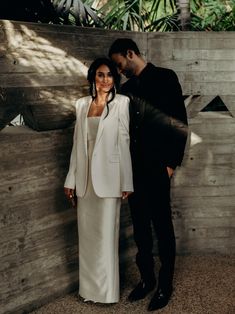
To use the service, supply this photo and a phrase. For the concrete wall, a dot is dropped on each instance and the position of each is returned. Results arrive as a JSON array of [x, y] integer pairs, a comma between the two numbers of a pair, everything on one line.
[[203, 189], [43, 67], [42, 70]]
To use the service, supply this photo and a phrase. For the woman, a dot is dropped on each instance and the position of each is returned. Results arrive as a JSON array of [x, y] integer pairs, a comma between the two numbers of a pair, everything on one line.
[[100, 171]]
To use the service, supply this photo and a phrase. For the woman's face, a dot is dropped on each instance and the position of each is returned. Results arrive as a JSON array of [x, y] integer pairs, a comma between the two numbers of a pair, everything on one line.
[[103, 79]]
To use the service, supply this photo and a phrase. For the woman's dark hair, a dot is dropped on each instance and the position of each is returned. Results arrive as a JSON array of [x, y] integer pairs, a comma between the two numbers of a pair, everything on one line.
[[92, 72]]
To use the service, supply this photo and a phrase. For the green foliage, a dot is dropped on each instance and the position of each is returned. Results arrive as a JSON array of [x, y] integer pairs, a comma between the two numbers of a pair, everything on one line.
[[139, 15], [159, 15], [215, 15], [77, 12], [132, 15], [124, 14], [166, 23]]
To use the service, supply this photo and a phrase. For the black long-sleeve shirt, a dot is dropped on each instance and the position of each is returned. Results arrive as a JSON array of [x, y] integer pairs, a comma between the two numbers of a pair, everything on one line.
[[158, 120]]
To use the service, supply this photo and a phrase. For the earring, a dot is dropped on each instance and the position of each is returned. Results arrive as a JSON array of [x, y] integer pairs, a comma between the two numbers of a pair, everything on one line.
[[114, 89], [93, 90]]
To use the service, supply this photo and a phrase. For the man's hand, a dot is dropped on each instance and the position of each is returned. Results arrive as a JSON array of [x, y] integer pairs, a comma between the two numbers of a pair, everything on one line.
[[125, 194], [170, 171]]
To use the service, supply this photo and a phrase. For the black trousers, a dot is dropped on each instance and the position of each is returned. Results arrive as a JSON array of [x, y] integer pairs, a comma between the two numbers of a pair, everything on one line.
[[150, 206]]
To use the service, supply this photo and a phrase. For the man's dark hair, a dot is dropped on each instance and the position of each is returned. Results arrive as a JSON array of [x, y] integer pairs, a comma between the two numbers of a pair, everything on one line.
[[122, 45]]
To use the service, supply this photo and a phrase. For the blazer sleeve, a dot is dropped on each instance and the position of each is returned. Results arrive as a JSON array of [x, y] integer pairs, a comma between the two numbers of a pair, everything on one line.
[[124, 147], [71, 176], [179, 123]]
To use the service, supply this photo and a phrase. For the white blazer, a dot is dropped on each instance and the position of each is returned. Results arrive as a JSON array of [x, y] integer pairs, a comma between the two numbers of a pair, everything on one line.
[[111, 169]]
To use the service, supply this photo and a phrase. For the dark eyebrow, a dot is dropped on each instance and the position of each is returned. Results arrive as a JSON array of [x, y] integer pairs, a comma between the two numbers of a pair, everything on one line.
[[100, 72]]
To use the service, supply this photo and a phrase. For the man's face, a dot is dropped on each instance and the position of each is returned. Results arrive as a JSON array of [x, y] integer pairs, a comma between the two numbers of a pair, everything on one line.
[[124, 64]]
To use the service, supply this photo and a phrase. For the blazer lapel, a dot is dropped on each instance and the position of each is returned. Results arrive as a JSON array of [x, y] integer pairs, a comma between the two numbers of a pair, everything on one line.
[[84, 121], [101, 126], [102, 121]]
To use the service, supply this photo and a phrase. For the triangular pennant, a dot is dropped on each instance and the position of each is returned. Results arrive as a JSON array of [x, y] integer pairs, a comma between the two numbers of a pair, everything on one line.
[[195, 103], [229, 100], [216, 104]]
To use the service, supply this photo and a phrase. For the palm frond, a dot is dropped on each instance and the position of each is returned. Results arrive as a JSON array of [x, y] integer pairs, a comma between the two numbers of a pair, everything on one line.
[[165, 24], [77, 10]]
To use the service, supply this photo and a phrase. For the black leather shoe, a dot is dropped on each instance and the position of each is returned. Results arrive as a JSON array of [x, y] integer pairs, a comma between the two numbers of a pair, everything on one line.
[[159, 299], [141, 290]]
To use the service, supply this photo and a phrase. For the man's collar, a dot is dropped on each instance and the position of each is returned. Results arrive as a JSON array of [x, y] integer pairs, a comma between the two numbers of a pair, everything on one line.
[[145, 69]]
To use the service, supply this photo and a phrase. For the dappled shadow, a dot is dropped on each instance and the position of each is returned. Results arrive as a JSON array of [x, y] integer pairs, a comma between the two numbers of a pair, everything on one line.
[[38, 71]]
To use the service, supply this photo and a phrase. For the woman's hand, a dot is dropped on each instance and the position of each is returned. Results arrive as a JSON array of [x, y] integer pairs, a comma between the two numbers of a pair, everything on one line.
[[70, 195], [125, 194]]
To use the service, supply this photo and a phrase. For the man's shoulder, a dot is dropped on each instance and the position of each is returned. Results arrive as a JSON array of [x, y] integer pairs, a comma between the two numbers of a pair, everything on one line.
[[128, 86], [160, 70]]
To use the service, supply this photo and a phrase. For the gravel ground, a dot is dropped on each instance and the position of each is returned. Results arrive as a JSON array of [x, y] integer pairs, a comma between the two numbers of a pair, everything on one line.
[[202, 284]]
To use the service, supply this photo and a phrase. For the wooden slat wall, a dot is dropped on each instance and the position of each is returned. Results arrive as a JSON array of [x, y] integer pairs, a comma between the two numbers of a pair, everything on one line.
[[38, 228], [204, 61], [47, 64], [203, 189], [42, 64], [38, 57]]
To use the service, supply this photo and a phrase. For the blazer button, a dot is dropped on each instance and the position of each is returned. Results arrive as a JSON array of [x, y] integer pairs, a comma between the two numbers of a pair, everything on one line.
[[137, 112]]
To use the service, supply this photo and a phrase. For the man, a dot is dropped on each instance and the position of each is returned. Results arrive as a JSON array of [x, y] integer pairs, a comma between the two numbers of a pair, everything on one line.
[[158, 132]]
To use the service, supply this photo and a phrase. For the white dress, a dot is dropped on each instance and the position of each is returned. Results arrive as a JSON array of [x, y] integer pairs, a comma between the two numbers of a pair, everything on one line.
[[98, 231]]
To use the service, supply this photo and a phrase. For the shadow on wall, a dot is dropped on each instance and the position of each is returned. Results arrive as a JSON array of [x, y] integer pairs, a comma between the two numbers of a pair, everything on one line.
[[43, 70], [44, 67], [37, 78], [38, 227], [203, 189]]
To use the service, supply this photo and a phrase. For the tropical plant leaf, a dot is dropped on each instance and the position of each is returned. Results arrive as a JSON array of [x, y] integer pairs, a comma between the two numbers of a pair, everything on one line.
[[93, 15], [67, 6], [60, 6], [148, 15], [166, 23], [77, 11]]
